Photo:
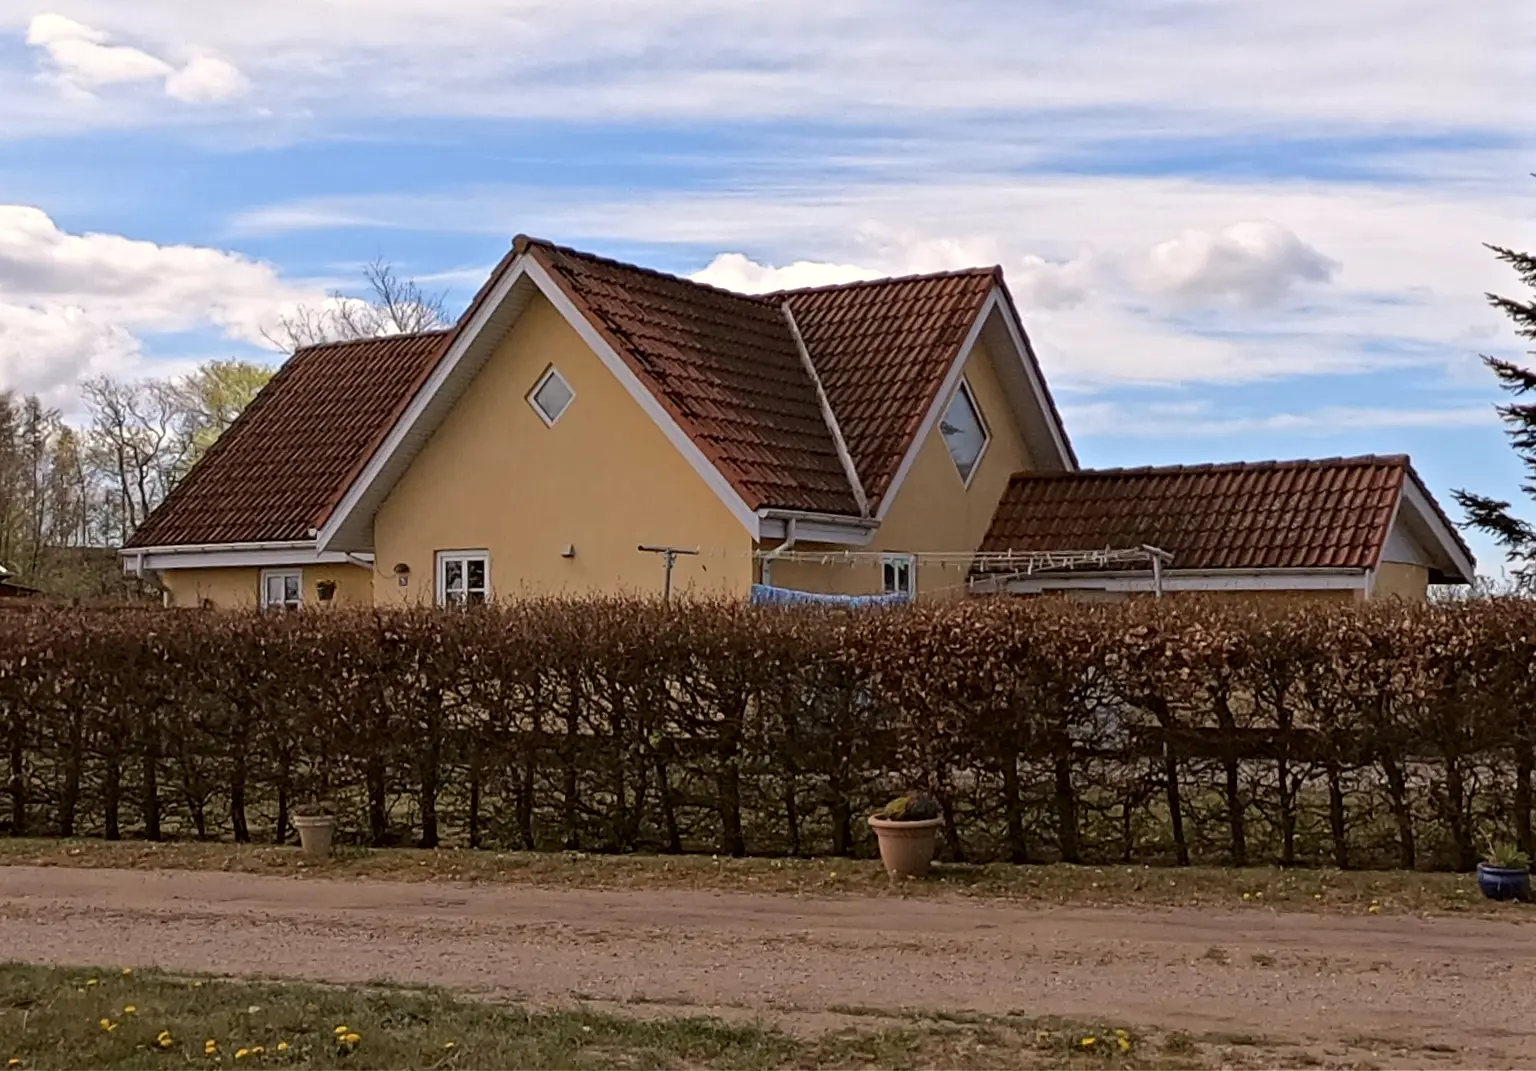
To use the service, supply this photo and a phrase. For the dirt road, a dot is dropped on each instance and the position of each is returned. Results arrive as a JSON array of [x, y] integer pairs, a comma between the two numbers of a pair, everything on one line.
[[1460, 983]]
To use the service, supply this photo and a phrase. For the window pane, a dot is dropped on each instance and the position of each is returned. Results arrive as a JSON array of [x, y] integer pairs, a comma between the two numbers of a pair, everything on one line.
[[552, 397], [453, 575], [963, 432], [272, 593], [477, 575], [898, 577], [291, 588]]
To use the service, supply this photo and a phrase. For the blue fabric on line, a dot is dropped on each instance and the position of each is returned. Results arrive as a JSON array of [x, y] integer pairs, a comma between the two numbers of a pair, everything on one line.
[[765, 595]]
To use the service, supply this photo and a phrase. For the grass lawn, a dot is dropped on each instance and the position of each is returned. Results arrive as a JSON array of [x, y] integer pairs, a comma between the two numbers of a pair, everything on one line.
[[1252, 888], [110, 1018]]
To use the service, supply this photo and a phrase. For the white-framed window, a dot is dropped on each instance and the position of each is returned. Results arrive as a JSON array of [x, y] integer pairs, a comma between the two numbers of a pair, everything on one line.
[[463, 577], [551, 396], [965, 432], [899, 575], [282, 589]]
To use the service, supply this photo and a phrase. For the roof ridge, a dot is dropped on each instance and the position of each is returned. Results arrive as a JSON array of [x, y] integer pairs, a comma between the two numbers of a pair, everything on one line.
[[523, 242], [373, 338], [1287, 464], [995, 271]]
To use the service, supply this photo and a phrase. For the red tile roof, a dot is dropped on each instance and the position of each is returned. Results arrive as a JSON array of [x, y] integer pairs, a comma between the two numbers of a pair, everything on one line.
[[273, 474], [725, 366], [1333, 513], [882, 350]]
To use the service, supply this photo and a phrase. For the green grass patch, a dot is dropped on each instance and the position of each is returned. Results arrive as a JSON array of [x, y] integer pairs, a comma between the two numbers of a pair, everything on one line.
[[114, 1018], [1247, 889]]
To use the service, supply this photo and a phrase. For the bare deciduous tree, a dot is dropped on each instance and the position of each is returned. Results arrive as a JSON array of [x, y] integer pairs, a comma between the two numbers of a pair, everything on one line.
[[392, 306]]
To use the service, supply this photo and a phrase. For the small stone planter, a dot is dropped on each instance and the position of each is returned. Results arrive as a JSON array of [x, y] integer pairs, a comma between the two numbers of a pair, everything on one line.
[[315, 832], [906, 848]]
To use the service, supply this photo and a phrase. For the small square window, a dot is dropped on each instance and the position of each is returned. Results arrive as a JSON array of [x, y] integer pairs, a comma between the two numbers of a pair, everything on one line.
[[552, 397], [965, 433], [282, 589], [463, 578], [900, 578]]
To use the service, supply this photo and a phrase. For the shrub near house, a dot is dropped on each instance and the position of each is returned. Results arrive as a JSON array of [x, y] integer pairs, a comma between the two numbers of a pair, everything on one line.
[[1152, 730]]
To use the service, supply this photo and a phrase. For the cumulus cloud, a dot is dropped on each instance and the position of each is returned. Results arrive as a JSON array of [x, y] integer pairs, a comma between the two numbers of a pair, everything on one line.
[[1184, 419], [1034, 282], [73, 305], [1250, 263], [82, 59], [738, 272]]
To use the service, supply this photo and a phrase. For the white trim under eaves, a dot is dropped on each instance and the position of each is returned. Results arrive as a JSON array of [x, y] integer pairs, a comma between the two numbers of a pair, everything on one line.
[[1200, 580], [939, 404], [1419, 499], [816, 527], [235, 556], [1027, 358]]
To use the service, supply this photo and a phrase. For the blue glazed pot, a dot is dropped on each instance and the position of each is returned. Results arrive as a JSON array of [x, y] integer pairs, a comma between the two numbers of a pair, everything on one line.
[[1504, 883]]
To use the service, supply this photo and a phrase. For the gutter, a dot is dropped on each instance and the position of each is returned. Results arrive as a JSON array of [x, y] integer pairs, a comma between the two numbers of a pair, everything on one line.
[[783, 548]]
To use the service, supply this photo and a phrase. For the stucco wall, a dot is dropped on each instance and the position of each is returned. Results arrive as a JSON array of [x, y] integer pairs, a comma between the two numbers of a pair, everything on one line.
[[240, 589], [604, 479], [933, 510], [1399, 580]]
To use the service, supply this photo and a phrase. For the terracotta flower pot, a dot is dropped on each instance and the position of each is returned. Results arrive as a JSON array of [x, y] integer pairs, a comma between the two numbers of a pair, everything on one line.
[[315, 833], [906, 848]]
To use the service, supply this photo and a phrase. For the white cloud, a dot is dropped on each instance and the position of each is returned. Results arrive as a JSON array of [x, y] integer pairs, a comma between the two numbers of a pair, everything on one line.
[[73, 305], [81, 60], [207, 80], [735, 271], [1251, 263], [1198, 67], [1198, 419]]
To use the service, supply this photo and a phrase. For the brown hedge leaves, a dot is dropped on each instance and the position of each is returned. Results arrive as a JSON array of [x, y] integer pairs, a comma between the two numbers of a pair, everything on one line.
[[1172, 731]]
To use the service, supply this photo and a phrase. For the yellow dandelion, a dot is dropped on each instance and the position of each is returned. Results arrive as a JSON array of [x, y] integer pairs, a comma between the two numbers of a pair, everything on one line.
[[450, 1044], [254, 1009], [164, 1040], [1247, 896], [257, 1050], [1088, 1042], [340, 1030], [241, 1054], [351, 1039], [130, 1009], [1125, 1044], [127, 972], [282, 1046], [834, 875], [1374, 909], [13, 1062], [92, 981], [108, 1025]]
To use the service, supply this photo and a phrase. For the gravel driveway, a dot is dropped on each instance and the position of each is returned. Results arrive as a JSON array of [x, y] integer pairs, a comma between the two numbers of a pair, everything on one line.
[[1448, 983]]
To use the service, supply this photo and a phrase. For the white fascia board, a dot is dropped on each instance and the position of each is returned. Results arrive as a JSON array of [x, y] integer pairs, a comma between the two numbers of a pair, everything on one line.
[[940, 401], [1026, 356], [1201, 580], [161, 559], [646, 400], [1445, 540], [817, 530], [413, 414]]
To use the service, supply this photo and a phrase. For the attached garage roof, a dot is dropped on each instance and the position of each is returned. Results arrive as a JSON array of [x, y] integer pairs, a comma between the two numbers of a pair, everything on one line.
[[1334, 513]]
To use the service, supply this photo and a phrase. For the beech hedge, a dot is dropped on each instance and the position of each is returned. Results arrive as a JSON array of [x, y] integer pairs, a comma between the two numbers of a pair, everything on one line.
[[1155, 732]]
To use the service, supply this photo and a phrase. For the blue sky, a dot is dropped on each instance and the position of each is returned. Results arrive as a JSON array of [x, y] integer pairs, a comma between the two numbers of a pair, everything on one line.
[[1235, 230]]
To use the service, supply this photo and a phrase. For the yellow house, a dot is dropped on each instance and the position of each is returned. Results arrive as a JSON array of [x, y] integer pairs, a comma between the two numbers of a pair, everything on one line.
[[595, 427]]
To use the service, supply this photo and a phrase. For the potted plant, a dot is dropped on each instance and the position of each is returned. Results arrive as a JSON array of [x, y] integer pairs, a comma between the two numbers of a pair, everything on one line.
[[908, 830], [315, 823], [1506, 873]]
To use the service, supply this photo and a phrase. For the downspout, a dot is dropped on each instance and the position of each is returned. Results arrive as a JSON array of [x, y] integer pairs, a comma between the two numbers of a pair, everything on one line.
[[784, 547]]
